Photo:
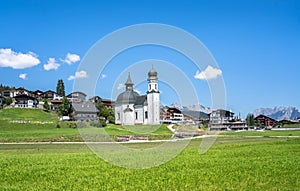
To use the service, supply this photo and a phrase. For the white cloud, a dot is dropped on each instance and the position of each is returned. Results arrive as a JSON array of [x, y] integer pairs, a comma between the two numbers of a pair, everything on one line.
[[120, 86], [80, 74], [208, 74], [23, 76], [51, 65], [71, 58], [103, 76], [17, 60]]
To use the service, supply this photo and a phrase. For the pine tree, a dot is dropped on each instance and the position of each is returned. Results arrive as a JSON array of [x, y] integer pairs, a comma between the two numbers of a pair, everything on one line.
[[250, 120], [60, 88]]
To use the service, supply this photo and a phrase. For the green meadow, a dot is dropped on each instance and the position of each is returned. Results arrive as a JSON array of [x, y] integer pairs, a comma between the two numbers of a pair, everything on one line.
[[251, 160], [230, 164]]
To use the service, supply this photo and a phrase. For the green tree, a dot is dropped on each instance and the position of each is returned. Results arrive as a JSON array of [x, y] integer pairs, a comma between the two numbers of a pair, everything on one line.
[[106, 113], [60, 88], [46, 105], [250, 120], [7, 101], [65, 108]]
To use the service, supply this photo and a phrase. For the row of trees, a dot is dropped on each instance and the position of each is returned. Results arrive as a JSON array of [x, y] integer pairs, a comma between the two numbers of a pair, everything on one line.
[[251, 122]]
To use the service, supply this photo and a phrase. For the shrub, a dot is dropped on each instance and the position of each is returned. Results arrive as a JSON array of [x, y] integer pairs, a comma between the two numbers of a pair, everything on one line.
[[96, 124], [111, 119], [102, 121]]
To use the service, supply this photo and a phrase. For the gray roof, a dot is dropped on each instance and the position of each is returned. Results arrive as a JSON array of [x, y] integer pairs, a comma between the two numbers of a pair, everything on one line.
[[127, 97], [140, 100], [85, 107]]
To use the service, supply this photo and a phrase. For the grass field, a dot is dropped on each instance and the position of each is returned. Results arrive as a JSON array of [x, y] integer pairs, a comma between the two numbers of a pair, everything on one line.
[[237, 161], [266, 133], [34, 125], [231, 164], [27, 114]]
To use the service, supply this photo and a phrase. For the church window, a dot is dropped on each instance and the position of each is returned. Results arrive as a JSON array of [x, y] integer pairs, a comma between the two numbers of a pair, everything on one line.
[[156, 86], [146, 114], [136, 115], [118, 116]]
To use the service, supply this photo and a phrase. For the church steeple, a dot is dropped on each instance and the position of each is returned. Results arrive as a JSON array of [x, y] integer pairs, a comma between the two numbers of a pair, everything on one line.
[[129, 83], [152, 81]]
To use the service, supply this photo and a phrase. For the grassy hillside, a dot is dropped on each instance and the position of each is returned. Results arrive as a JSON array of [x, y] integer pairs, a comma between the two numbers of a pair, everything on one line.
[[31, 125], [27, 114], [231, 164]]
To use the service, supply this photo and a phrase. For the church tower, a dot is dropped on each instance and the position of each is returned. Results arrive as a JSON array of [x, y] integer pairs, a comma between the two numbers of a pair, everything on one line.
[[153, 98]]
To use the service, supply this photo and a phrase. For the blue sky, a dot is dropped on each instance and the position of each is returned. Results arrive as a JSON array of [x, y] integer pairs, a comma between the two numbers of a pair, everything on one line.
[[255, 43]]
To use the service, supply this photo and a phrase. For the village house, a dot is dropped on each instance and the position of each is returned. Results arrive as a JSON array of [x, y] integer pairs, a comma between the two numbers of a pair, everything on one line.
[[106, 102], [25, 101], [85, 112], [76, 97], [171, 115], [37, 94], [54, 104], [50, 95], [265, 121], [221, 119]]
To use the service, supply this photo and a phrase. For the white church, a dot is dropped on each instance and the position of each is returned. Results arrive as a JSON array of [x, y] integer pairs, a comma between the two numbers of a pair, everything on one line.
[[131, 108]]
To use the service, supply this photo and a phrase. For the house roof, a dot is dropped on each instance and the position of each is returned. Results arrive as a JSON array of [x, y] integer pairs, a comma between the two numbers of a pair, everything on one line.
[[38, 91], [140, 100], [24, 96], [84, 107], [71, 94], [263, 116], [49, 91]]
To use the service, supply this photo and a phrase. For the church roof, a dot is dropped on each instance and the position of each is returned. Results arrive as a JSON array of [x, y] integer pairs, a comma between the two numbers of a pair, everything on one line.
[[140, 100], [129, 81], [152, 74], [127, 97]]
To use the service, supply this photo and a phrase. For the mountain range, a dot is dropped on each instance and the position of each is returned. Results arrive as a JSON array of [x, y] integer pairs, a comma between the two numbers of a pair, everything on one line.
[[278, 113]]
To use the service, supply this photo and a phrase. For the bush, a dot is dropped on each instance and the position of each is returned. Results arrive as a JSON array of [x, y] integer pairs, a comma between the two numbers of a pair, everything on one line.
[[102, 121], [111, 119], [96, 124], [80, 124]]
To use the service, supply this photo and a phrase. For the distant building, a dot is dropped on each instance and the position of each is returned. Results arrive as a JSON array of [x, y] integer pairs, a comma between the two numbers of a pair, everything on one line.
[[50, 95], [8, 93], [171, 115], [106, 102], [37, 94], [85, 112], [265, 121], [25, 101], [54, 104], [131, 108], [76, 97], [94, 99], [221, 119], [22, 91]]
